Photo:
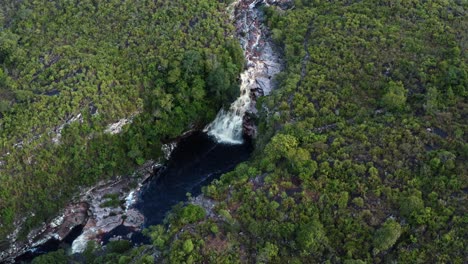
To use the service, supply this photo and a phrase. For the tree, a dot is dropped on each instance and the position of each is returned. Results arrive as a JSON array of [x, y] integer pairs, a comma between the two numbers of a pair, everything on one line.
[[188, 246], [311, 238], [219, 85], [386, 236], [57, 257], [281, 146], [119, 246], [191, 213], [4, 106], [395, 98], [267, 253], [432, 100], [192, 63], [8, 46], [411, 204]]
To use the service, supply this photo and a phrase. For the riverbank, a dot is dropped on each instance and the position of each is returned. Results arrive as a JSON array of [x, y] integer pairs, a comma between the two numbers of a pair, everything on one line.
[[89, 211]]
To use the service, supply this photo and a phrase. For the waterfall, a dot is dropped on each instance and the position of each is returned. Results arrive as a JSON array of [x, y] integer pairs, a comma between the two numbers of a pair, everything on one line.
[[227, 126], [262, 65]]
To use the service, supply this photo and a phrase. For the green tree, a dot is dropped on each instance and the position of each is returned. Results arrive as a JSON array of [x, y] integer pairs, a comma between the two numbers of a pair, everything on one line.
[[311, 238], [432, 100], [57, 257], [386, 236], [411, 204], [188, 246], [395, 98], [268, 253], [4, 106]]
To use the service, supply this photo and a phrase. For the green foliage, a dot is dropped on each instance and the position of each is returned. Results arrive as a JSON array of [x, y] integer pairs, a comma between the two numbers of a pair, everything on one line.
[[166, 66], [395, 98], [281, 146], [157, 235], [119, 246], [4, 106], [268, 253], [311, 238], [386, 236], [57, 257], [188, 246], [411, 204], [190, 214]]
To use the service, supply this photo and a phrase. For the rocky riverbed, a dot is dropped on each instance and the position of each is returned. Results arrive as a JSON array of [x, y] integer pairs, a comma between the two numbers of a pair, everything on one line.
[[262, 64], [110, 206], [90, 211]]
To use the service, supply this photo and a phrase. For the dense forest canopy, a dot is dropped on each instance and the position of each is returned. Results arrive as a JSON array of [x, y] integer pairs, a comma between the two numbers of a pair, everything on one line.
[[68, 69], [361, 152]]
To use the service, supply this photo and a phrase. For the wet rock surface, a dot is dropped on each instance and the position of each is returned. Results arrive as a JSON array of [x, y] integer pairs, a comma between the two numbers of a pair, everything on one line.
[[263, 63], [75, 214], [110, 206], [88, 210], [248, 125]]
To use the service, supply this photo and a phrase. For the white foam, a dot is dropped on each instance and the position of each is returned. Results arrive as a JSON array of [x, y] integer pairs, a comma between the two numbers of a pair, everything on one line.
[[130, 200], [80, 243], [227, 126]]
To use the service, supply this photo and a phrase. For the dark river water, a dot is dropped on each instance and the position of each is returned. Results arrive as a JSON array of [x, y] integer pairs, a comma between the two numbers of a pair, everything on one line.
[[194, 163]]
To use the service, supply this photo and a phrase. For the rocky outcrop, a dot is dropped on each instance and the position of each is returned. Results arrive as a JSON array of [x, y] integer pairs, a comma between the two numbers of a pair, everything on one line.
[[98, 209], [110, 205], [248, 125], [263, 62], [75, 214]]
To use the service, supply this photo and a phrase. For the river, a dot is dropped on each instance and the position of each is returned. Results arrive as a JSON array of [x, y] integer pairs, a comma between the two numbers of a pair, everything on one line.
[[194, 163], [204, 155]]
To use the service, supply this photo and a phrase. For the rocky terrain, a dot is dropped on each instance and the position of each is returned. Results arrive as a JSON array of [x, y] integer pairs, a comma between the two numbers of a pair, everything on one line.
[[89, 210], [262, 64]]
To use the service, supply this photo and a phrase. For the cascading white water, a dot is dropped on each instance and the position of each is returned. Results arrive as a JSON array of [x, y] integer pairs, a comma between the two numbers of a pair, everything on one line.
[[262, 65], [227, 126]]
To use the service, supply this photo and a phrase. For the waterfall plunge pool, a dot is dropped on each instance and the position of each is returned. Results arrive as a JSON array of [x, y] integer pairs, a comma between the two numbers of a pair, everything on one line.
[[195, 162]]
